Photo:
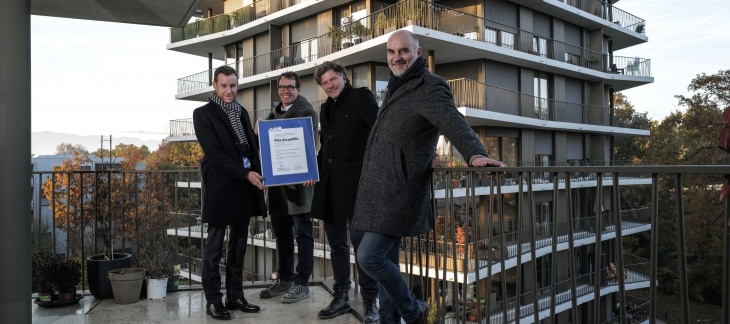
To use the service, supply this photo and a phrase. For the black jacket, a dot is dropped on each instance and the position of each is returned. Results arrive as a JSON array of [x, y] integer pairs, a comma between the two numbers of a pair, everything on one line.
[[345, 127], [228, 196]]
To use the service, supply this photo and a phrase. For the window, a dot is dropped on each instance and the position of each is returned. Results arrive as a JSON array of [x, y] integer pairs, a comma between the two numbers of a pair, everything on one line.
[[539, 46], [508, 40], [382, 75], [541, 96], [543, 218], [542, 160]]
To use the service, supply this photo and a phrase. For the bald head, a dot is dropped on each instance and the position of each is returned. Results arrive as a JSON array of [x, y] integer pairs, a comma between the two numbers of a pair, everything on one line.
[[403, 50]]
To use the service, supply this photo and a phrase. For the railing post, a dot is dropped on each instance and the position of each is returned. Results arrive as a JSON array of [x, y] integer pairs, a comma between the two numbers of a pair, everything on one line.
[[726, 259]]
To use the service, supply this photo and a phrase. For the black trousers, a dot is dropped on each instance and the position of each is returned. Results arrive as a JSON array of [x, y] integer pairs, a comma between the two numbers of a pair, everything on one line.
[[288, 228], [340, 255], [212, 253]]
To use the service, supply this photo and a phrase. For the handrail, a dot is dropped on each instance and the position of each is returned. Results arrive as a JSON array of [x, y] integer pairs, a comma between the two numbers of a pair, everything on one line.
[[608, 11], [478, 95]]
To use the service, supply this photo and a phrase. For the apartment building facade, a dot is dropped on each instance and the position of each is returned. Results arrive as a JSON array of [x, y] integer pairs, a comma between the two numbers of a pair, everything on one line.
[[535, 80]]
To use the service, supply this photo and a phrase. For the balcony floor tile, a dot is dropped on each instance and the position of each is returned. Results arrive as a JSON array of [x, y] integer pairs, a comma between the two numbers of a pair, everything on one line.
[[184, 307]]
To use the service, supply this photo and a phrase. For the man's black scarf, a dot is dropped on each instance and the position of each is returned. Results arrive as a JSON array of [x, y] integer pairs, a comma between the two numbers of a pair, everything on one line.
[[233, 110], [395, 82]]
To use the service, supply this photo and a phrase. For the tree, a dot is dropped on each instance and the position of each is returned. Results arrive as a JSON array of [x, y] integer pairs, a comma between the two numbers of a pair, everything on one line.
[[69, 149], [172, 155], [630, 148], [104, 208], [688, 138]]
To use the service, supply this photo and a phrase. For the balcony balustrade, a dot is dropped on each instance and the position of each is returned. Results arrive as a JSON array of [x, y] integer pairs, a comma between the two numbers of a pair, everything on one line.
[[610, 13], [230, 20], [427, 15], [477, 239], [184, 126], [478, 95]]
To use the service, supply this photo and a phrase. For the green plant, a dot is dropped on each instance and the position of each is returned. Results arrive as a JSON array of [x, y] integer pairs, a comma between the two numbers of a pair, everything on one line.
[[359, 30], [43, 270], [68, 276], [336, 34], [432, 312], [381, 22]]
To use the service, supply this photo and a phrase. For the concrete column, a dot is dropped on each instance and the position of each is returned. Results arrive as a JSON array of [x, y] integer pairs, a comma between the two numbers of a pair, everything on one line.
[[15, 216]]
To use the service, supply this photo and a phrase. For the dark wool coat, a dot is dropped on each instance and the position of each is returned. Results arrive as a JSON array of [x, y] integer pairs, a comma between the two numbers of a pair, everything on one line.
[[394, 195], [228, 196], [346, 124], [292, 199]]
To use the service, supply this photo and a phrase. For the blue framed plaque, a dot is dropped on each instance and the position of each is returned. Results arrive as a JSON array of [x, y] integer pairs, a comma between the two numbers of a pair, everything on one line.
[[287, 151]]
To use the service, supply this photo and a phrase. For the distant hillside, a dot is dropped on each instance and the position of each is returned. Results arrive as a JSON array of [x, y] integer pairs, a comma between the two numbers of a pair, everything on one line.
[[46, 142]]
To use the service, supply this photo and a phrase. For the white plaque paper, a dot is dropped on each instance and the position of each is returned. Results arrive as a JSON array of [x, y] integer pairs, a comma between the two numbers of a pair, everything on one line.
[[288, 154]]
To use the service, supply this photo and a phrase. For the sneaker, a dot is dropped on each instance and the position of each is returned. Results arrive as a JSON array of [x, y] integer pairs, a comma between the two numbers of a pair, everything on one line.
[[277, 288], [296, 293]]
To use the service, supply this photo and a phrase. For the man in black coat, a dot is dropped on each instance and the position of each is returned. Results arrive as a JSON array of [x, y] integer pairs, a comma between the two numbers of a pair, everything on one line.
[[232, 191], [394, 193], [346, 119]]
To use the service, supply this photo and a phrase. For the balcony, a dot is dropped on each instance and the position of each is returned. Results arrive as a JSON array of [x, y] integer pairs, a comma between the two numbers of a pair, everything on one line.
[[478, 240], [183, 130], [461, 36], [199, 37], [624, 28], [531, 110]]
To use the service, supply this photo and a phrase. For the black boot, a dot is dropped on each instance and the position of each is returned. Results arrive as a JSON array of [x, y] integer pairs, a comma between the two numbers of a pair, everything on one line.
[[340, 305], [371, 312], [423, 315]]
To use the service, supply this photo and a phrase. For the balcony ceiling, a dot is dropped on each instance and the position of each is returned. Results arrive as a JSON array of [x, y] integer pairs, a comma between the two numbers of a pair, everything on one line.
[[166, 13]]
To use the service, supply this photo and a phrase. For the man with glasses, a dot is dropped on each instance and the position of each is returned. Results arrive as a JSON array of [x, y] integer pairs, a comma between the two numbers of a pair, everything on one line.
[[289, 207]]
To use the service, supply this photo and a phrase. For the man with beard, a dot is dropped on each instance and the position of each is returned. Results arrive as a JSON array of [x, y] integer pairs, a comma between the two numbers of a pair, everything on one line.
[[393, 198]]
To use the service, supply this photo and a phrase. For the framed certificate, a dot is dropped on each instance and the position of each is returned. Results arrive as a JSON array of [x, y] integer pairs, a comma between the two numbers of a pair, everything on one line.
[[287, 151]]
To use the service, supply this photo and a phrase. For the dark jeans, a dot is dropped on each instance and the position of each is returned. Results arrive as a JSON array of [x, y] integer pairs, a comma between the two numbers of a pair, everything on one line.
[[378, 257], [212, 253], [340, 255], [285, 228]]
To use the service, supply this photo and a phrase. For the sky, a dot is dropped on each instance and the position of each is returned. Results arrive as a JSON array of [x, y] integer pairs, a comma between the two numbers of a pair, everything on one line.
[[100, 78]]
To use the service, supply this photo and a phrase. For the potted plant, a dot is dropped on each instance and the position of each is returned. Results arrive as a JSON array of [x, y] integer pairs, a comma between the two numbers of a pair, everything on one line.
[[335, 33], [359, 31], [68, 276], [347, 32], [160, 264], [380, 24], [43, 265], [97, 267]]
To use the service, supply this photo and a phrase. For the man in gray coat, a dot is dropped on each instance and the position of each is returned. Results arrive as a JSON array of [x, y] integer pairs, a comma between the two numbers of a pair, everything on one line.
[[290, 207], [393, 198]]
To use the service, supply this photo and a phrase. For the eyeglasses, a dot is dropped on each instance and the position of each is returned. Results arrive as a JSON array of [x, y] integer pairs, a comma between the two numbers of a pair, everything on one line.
[[287, 87]]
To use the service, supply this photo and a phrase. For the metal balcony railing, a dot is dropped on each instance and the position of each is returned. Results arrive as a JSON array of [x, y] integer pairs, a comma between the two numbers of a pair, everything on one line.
[[609, 12], [184, 127], [230, 20], [477, 239], [478, 95], [417, 13]]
